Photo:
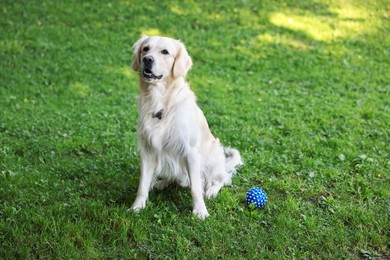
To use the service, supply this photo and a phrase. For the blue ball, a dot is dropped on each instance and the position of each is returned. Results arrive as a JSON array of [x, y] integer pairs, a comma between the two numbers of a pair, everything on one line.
[[257, 197]]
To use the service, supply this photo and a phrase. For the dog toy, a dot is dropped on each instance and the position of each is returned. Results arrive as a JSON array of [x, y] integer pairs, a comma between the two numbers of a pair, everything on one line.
[[257, 197]]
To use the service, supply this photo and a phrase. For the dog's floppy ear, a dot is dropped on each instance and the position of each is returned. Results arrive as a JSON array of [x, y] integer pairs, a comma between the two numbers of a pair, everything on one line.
[[137, 53], [183, 61]]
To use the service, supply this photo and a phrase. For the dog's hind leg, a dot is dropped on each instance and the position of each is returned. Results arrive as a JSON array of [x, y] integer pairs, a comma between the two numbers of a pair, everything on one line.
[[199, 207]]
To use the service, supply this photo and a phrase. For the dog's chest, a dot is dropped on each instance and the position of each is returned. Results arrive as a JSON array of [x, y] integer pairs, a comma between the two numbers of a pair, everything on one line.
[[157, 130], [165, 119], [159, 126]]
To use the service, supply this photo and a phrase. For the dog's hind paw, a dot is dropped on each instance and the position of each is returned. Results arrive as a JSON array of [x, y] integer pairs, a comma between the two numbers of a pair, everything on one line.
[[212, 192], [161, 184]]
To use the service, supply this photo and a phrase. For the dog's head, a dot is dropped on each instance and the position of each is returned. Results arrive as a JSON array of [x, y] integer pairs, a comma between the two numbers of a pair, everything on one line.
[[160, 58]]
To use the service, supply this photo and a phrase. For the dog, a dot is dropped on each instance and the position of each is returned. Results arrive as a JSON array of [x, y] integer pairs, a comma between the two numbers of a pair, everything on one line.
[[174, 139]]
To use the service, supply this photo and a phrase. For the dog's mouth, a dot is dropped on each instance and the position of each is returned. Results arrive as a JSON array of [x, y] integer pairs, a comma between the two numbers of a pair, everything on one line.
[[148, 75]]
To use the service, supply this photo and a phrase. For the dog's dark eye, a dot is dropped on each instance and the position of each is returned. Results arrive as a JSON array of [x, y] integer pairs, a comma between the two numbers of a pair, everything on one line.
[[165, 52], [145, 49]]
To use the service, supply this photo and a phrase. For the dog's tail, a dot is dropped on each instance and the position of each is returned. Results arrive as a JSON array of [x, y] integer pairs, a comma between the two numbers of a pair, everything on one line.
[[232, 160]]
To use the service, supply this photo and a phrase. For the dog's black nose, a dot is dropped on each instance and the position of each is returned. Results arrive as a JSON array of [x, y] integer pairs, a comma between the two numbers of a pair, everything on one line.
[[148, 59]]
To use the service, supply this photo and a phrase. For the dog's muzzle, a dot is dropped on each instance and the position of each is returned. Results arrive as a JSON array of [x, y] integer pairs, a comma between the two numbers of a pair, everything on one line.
[[147, 65]]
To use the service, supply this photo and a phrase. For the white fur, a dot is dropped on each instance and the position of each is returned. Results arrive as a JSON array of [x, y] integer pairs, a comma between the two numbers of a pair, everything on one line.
[[179, 147]]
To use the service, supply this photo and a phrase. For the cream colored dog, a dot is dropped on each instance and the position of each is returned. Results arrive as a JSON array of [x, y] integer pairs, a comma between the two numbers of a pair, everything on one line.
[[174, 139]]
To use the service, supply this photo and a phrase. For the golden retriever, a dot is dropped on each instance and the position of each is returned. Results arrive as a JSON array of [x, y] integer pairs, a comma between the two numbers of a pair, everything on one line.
[[174, 140]]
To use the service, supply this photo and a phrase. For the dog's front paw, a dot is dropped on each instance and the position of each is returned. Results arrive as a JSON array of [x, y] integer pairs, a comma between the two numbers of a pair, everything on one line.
[[201, 213], [138, 204]]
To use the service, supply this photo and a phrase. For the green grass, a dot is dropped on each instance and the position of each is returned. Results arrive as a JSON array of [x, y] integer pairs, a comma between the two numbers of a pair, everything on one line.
[[301, 88]]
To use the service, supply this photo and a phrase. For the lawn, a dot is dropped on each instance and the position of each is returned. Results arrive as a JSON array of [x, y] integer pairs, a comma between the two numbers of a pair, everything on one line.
[[301, 88]]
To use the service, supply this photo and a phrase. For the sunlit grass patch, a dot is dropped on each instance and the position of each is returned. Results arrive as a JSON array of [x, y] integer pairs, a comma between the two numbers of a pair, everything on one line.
[[283, 40], [80, 89], [314, 27], [151, 32], [346, 21]]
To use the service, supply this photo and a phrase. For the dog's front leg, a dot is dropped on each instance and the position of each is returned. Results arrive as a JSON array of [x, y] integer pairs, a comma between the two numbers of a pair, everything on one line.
[[147, 171], [199, 207]]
